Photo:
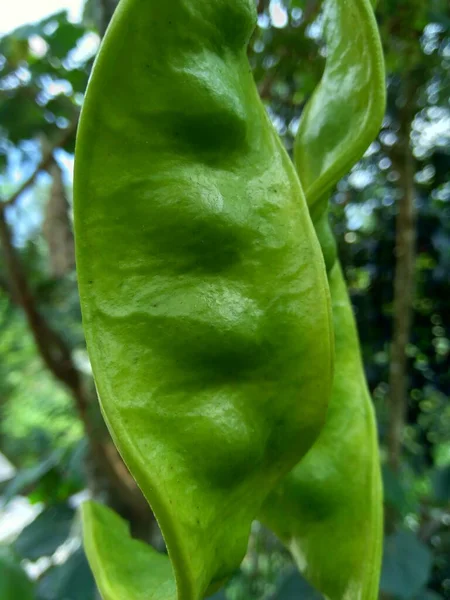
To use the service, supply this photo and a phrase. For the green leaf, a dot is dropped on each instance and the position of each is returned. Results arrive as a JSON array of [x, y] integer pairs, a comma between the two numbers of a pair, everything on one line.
[[46, 533], [27, 478], [428, 595], [123, 567], [406, 565], [72, 580], [75, 467], [218, 596], [14, 583], [64, 38], [394, 492], [441, 484], [78, 80], [294, 587], [3, 159]]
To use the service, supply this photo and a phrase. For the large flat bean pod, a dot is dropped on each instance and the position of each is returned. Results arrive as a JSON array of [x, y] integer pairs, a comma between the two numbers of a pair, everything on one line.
[[203, 290], [329, 509]]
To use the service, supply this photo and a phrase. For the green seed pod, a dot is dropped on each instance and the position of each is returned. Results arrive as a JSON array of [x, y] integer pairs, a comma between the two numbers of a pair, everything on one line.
[[203, 290], [329, 508]]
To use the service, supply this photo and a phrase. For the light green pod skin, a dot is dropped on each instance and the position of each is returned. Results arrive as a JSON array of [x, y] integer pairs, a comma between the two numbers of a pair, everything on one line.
[[328, 510], [203, 290], [346, 110]]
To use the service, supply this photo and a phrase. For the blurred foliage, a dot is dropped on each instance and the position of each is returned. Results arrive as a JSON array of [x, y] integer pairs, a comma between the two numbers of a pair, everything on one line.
[[44, 69], [14, 583]]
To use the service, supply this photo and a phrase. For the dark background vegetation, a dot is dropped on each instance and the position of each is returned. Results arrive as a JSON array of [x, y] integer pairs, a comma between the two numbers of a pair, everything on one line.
[[391, 215]]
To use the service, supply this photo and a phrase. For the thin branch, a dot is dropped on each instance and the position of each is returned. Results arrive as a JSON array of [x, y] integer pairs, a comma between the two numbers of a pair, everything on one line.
[[403, 162], [53, 349], [44, 163], [58, 359]]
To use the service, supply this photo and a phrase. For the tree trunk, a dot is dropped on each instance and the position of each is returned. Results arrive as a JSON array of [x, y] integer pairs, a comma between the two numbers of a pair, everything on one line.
[[110, 478], [403, 162]]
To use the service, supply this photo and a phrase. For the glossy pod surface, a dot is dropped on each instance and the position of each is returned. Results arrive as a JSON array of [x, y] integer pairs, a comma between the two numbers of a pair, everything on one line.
[[329, 508], [203, 290], [345, 112]]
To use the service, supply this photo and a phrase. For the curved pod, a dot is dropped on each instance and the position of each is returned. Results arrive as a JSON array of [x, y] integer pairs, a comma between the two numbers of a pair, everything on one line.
[[203, 291], [345, 112], [328, 510]]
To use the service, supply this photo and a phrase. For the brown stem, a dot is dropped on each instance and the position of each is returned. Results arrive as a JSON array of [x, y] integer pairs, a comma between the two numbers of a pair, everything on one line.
[[52, 348], [58, 359], [403, 291], [46, 160], [128, 499]]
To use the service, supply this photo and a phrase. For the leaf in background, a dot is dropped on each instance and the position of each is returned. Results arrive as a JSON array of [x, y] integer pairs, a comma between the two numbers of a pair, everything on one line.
[[394, 490], [441, 484], [18, 106], [27, 478], [70, 581], [218, 596], [77, 79], [3, 159], [61, 106], [7, 470], [428, 595], [46, 533], [295, 587], [76, 466], [64, 38], [14, 583], [406, 565]]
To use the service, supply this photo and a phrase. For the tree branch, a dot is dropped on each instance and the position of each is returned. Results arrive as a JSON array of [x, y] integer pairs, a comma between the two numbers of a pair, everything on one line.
[[58, 359], [44, 163], [52, 348], [403, 288], [125, 495]]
